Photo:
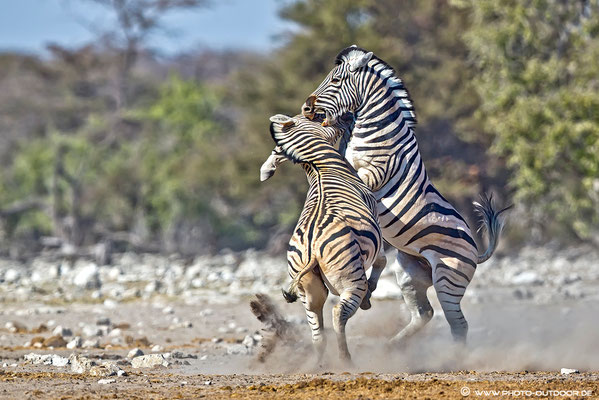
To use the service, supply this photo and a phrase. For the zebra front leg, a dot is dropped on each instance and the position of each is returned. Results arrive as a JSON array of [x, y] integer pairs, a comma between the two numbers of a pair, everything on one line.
[[269, 166], [413, 279], [373, 280], [314, 296], [348, 305]]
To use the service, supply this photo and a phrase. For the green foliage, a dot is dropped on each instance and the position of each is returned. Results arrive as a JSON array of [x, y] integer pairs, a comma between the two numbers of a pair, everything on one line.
[[537, 64]]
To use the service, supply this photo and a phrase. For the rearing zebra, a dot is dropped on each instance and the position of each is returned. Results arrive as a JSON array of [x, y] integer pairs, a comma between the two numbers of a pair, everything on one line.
[[434, 241], [337, 237]]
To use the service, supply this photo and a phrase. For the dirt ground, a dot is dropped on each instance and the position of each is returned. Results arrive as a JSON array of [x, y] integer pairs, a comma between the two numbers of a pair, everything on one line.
[[514, 350]]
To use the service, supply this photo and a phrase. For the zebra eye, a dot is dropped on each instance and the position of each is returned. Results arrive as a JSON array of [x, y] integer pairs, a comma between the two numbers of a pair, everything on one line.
[[335, 80]]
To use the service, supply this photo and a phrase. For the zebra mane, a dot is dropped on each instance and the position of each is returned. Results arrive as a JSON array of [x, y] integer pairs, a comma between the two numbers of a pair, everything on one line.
[[409, 112]]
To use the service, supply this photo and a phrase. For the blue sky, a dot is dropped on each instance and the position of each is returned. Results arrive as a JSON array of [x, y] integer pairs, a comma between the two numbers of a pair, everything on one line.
[[28, 25]]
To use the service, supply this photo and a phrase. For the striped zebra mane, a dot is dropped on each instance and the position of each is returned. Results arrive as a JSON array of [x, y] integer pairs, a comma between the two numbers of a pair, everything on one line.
[[385, 70]]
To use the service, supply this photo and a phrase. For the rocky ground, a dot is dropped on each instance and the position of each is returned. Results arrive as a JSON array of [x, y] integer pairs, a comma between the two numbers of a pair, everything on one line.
[[150, 326]]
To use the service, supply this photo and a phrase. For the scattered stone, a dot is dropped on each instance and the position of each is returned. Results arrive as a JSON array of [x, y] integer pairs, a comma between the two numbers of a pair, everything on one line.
[[106, 381], [75, 343], [149, 361], [139, 342], [206, 312], [568, 371], [526, 278], [106, 369], [103, 321], [55, 341], [168, 310], [249, 341], [91, 344], [181, 355], [62, 331], [204, 357], [80, 364], [523, 294], [59, 361], [216, 340], [135, 353], [37, 339], [122, 326], [88, 277], [91, 331], [237, 349], [115, 333], [15, 327], [12, 275], [40, 329], [157, 348], [46, 359], [111, 303]]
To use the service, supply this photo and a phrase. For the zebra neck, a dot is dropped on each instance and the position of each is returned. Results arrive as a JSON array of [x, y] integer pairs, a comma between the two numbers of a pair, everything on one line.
[[387, 112]]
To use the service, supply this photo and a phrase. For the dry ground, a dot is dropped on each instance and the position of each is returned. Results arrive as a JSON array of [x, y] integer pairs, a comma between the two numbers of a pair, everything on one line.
[[527, 343]]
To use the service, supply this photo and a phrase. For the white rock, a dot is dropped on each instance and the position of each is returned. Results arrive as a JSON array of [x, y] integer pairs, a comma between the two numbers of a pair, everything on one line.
[[15, 326], [135, 353], [91, 344], [249, 341], [12, 275], [75, 343], [59, 361], [206, 312], [110, 303], [62, 331], [80, 364], [237, 349], [91, 331], [157, 348], [527, 278], [106, 381], [149, 361], [568, 371], [36, 359], [88, 277], [168, 310], [115, 332]]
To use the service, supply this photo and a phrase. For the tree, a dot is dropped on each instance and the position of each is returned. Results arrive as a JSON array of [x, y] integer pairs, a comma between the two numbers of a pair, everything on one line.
[[536, 74]]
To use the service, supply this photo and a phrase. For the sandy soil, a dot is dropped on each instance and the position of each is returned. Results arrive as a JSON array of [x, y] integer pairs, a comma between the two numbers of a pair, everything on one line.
[[516, 349]]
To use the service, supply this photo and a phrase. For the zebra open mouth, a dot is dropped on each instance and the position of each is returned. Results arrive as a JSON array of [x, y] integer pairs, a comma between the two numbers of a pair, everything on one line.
[[324, 117], [319, 117]]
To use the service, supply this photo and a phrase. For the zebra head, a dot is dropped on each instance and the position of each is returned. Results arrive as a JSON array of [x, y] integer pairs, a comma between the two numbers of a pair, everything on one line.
[[301, 139], [330, 134], [340, 91]]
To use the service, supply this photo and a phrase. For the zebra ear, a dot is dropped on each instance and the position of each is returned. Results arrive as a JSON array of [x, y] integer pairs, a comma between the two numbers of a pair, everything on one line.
[[282, 119], [359, 62]]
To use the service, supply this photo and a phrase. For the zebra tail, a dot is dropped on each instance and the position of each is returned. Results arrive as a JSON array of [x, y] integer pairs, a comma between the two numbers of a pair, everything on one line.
[[492, 221], [290, 294]]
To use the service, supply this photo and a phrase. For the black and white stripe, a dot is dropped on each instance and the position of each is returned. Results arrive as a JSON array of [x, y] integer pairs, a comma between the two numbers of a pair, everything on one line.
[[435, 243], [337, 237]]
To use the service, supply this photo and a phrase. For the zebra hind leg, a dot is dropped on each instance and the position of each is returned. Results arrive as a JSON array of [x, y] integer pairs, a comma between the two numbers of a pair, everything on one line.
[[313, 297], [413, 279], [450, 285], [375, 274], [350, 300]]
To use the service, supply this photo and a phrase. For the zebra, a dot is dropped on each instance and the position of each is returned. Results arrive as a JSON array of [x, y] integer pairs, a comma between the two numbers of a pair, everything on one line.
[[436, 247], [337, 237]]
